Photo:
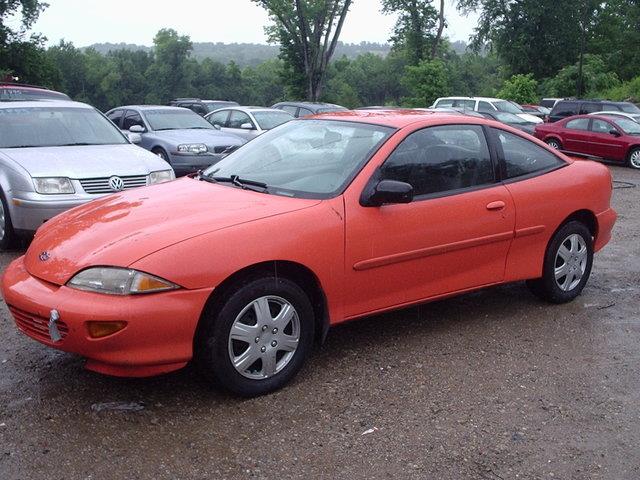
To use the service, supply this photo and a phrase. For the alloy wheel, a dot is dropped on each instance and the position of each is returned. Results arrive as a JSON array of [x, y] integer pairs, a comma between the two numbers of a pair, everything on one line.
[[571, 262], [2, 221], [264, 337], [554, 144], [634, 159]]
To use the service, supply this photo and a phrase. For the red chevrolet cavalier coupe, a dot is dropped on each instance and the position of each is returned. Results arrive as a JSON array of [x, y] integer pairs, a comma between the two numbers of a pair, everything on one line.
[[316, 222], [603, 137]]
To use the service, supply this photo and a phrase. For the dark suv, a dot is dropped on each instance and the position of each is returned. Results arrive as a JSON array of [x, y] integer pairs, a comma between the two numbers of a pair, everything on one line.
[[568, 108], [18, 91], [202, 107]]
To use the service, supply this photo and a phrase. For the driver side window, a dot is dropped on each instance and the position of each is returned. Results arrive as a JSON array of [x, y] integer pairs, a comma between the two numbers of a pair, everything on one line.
[[523, 157], [441, 159]]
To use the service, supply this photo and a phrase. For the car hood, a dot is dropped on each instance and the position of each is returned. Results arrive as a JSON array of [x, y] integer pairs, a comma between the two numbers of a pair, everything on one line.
[[530, 118], [208, 137], [88, 161], [120, 229]]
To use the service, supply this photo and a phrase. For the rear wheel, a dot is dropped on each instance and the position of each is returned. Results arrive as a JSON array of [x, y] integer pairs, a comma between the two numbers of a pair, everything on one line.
[[554, 143], [567, 264], [8, 237], [256, 339], [634, 158]]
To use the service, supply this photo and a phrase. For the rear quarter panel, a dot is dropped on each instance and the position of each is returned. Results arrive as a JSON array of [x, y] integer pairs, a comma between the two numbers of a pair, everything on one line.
[[545, 202]]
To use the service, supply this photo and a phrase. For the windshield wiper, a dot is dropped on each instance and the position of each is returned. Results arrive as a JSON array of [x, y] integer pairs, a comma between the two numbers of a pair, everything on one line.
[[76, 144], [237, 181]]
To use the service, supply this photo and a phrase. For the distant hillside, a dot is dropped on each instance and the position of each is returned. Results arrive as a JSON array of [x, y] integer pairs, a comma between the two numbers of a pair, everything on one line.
[[252, 54]]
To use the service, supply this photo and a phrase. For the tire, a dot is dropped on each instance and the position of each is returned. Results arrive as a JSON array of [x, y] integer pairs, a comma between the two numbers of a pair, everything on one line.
[[8, 237], [633, 160], [242, 329], [161, 153], [575, 240], [554, 143]]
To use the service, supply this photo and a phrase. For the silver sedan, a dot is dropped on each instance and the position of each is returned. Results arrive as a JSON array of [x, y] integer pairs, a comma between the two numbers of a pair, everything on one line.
[[247, 122], [58, 155]]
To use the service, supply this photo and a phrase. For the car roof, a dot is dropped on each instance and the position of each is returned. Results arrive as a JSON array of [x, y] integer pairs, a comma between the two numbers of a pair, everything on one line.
[[43, 103], [248, 109], [310, 104], [144, 108], [397, 118], [485, 99]]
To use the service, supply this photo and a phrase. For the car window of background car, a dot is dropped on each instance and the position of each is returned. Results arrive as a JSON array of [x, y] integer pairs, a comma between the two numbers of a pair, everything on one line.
[[504, 106], [116, 116], [510, 118], [310, 158], [445, 103], [440, 159], [629, 126], [601, 126], [565, 109], [523, 157], [589, 107], [170, 119], [219, 118], [198, 108], [485, 107], [269, 120], [470, 104], [290, 109], [132, 118], [303, 112], [17, 93], [53, 126], [629, 108], [238, 118], [578, 124]]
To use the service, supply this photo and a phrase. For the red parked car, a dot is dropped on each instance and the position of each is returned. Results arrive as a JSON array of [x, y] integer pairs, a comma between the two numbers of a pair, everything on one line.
[[603, 137]]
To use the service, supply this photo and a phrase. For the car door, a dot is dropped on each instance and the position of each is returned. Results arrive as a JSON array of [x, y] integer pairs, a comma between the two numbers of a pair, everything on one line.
[[575, 135], [240, 124], [603, 143], [453, 236]]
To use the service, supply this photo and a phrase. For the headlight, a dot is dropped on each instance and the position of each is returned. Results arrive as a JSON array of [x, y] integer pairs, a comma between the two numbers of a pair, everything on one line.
[[161, 176], [53, 185], [193, 148], [119, 281]]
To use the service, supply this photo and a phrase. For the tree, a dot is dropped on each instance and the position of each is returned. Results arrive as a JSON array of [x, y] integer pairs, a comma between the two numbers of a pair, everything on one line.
[[169, 75], [28, 10], [308, 32], [426, 82], [596, 78], [418, 30], [520, 89]]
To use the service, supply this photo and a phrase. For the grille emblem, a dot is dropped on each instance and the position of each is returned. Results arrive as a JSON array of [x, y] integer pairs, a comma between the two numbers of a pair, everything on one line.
[[44, 256], [116, 184], [54, 333]]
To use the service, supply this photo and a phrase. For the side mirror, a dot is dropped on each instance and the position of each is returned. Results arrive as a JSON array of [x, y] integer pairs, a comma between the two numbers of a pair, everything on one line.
[[246, 126], [614, 132], [387, 191], [135, 138], [137, 129]]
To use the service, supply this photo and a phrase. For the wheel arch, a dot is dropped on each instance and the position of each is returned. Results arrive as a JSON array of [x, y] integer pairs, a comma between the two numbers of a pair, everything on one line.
[[587, 217], [303, 276]]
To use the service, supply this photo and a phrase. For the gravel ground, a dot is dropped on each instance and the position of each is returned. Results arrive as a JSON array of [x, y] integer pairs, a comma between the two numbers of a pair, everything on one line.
[[490, 385]]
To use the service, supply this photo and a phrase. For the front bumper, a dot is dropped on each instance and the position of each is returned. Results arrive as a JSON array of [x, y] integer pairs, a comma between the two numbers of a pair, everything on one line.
[[606, 221], [184, 164], [29, 211], [158, 337]]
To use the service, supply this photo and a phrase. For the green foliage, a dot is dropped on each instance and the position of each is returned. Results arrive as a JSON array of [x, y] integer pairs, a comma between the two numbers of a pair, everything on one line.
[[414, 31], [596, 78], [425, 82], [627, 91], [520, 89]]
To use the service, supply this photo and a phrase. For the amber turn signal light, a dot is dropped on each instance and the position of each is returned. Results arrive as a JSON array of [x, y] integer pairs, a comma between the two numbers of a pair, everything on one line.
[[104, 329]]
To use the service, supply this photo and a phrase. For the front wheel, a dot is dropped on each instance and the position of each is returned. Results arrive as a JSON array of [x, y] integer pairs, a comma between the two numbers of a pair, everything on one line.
[[567, 264], [258, 338], [8, 237], [161, 153], [634, 158]]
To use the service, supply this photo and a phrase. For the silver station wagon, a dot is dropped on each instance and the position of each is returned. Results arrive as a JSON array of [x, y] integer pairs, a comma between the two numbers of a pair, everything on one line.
[[57, 155]]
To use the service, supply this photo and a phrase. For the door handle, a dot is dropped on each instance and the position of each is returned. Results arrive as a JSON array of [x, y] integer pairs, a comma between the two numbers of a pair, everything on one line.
[[497, 205]]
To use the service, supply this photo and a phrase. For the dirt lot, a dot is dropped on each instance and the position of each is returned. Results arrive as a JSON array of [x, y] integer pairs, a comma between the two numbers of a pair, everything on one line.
[[491, 385]]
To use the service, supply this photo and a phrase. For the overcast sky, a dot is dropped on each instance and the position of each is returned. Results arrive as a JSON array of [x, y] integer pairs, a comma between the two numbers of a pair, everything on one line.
[[85, 22]]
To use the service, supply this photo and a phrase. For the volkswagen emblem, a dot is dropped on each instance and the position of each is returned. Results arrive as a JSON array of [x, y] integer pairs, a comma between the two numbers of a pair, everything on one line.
[[44, 256], [116, 184]]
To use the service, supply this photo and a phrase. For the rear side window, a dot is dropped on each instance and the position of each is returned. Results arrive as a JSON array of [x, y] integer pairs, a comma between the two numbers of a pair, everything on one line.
[[466, 104], [578, 124], [290, 109], [485, 107], [565, 109], [590, 108], [441, 159], [522, 156], [445, 103]]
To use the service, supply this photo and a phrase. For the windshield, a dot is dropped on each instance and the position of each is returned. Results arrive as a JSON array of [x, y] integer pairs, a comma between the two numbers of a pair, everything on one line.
[[55, 127], [504, 106], [170, 119], [269, 120], [629, 126], [305, 158], [509, 118], [629, 108]]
